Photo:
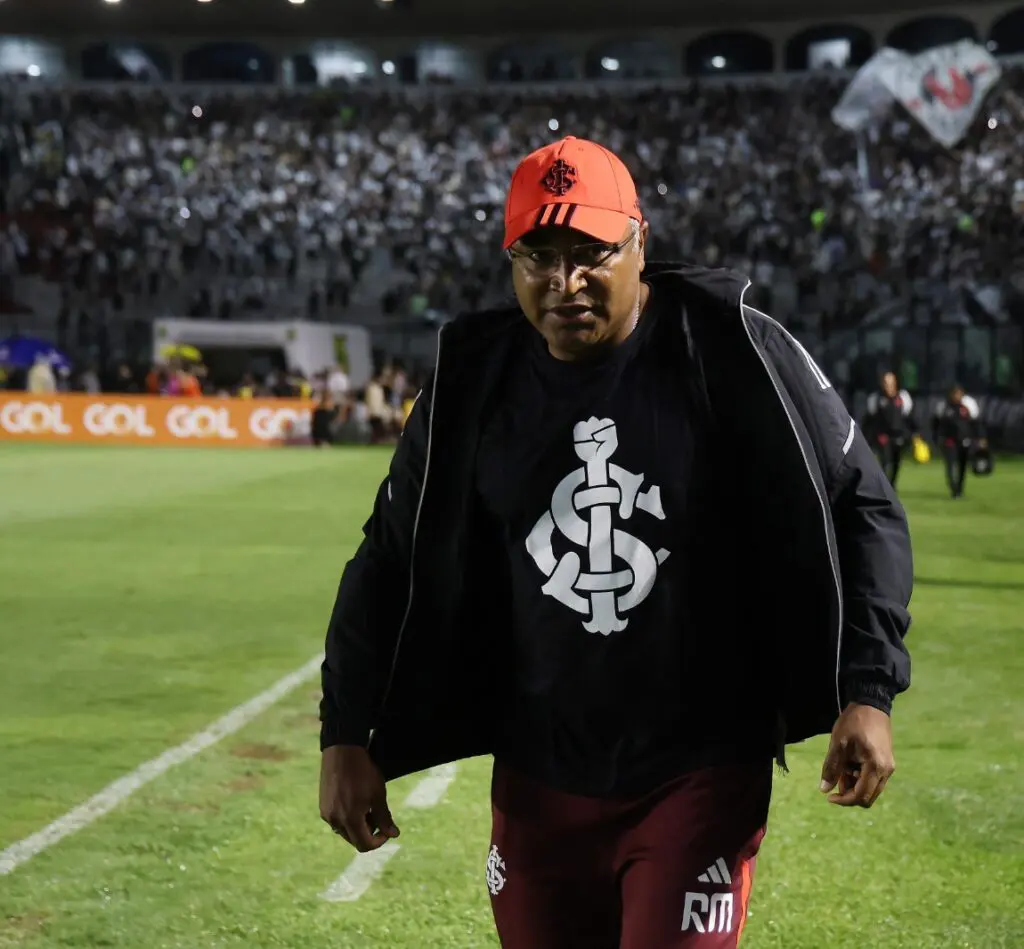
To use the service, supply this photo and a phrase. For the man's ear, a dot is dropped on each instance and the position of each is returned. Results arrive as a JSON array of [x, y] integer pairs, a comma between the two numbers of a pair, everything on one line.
[[642, 248]]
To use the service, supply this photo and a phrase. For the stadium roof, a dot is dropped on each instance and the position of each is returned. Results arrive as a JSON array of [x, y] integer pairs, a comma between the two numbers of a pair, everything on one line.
[[437, 18]]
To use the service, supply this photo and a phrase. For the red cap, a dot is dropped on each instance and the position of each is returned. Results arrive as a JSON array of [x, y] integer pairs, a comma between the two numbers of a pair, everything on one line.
[[572, 183]]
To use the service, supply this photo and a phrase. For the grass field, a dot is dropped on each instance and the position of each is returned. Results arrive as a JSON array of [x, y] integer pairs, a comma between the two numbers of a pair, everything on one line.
[[144, 593]]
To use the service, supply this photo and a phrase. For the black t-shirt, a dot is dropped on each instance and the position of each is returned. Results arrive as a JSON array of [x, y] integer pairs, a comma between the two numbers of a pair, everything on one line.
[[592, 473]]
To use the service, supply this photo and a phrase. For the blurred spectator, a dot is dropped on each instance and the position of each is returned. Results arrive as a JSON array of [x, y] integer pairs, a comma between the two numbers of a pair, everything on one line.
[[337, 382], [181, 382], [123, 381], [325, 415], [377, 409], [41, 379]]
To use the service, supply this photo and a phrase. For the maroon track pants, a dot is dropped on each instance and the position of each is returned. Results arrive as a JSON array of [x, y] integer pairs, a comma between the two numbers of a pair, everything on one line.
[[671, 870]]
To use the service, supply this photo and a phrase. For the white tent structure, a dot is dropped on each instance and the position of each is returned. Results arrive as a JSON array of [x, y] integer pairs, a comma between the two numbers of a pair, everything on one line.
[[311, 347]]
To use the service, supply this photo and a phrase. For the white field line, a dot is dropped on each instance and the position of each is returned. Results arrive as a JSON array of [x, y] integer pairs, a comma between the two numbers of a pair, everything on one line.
[[359, 874], [113, 794], [366, 867], [429, 792]]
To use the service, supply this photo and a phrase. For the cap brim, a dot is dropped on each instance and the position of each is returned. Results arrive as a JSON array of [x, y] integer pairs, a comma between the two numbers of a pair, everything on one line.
[[600, 223]]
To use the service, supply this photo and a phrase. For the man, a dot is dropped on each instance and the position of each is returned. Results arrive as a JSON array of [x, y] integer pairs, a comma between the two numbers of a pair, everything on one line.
[[325, 417], [644, 547], [888, 424], [958, 429], [41, 380]]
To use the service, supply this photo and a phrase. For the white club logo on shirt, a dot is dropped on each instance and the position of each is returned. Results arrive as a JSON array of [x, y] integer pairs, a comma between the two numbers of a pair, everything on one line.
[[620, 568]]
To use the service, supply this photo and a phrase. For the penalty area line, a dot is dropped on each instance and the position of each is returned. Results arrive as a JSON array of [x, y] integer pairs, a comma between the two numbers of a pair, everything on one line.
[[114, 794]]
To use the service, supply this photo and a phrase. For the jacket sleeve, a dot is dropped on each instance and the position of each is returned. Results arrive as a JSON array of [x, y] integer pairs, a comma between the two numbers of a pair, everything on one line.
[[871, 532], [372, 597], [908, 414], [977, 425]]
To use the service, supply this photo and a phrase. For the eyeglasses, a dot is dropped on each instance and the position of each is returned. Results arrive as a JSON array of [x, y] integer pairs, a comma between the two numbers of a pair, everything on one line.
[[580, 257]]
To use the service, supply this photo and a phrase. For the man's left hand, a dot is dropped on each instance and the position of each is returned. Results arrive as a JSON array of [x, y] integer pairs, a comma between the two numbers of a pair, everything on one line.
[[859, 760]]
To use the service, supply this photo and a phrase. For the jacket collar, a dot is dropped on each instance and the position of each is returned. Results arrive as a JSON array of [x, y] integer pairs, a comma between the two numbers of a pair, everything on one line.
[[718, 285]]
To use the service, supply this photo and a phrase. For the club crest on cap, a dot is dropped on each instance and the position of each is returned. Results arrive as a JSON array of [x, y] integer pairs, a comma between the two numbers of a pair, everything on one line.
[[560, 178]]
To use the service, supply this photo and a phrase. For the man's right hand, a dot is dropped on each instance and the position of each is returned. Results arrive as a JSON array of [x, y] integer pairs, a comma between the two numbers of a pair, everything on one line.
[[353, 798]]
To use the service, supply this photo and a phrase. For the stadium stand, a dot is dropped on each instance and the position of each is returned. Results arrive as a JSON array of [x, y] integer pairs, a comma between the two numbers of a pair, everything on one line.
[[302, 187], [383, 206]]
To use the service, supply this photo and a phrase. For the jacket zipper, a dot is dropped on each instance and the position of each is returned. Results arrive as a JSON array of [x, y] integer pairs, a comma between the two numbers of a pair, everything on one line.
[[415, 527], [833, 558]]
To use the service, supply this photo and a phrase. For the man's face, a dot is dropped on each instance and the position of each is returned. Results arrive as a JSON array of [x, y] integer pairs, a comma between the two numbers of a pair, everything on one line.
[[889, 384], [956, 395], [580, 294]]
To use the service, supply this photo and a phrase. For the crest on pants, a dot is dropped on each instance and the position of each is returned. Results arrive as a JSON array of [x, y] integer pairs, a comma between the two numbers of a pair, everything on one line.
[[612, 570], [495, 871]]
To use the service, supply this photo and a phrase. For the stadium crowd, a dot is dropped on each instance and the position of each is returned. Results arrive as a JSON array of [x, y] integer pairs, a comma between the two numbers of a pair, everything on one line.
[[212, 204]]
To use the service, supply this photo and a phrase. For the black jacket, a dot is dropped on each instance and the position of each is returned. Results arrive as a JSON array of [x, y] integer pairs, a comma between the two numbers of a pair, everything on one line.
[[957, 423], [890, 417], [414, 659]]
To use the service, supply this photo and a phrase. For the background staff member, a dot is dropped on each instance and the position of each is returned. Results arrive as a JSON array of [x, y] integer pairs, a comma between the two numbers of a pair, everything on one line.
[[957, 428], [888, 424], [324, 417]]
